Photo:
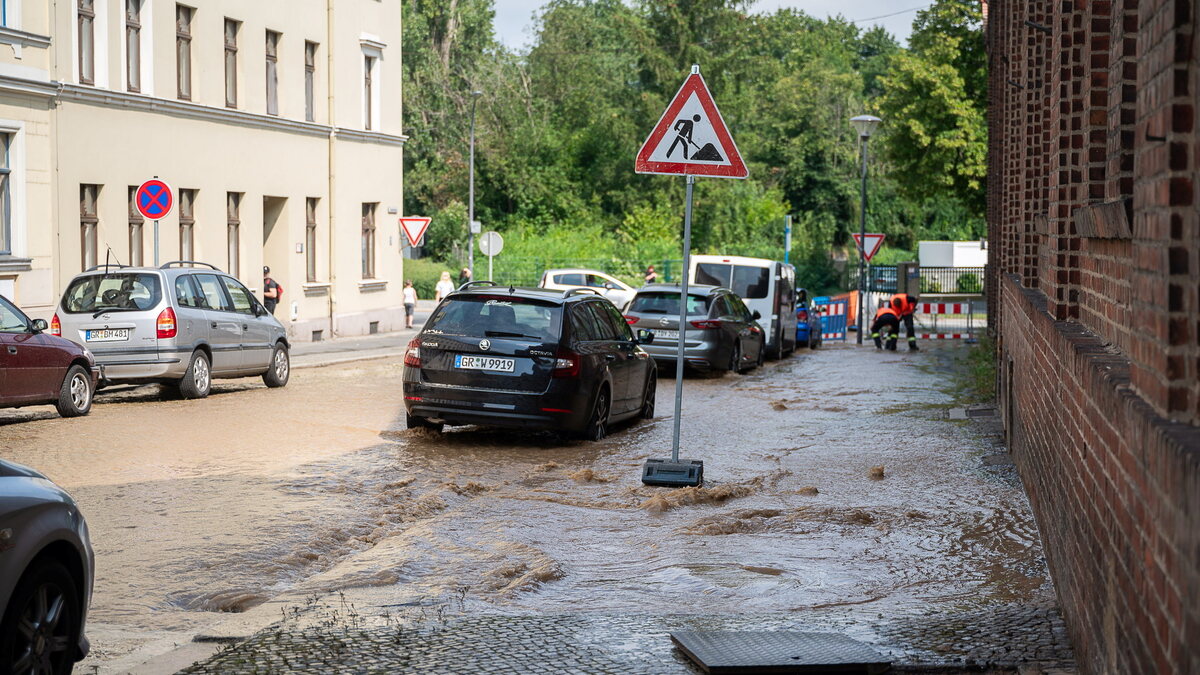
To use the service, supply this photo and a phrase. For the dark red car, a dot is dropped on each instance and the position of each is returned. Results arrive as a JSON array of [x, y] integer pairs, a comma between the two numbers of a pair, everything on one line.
[[37, 368]]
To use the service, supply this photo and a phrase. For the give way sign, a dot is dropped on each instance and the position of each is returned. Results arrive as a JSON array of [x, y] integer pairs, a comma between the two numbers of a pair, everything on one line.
[[691, 138], [869, 244], [414, 229]]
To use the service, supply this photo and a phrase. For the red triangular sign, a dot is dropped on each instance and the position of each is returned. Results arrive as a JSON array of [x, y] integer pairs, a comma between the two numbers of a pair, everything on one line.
[[691, 138], [414, 228], [870, 245]]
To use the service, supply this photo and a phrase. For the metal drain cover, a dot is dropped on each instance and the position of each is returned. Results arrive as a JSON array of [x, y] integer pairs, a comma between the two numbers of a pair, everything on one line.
[[778, 652]]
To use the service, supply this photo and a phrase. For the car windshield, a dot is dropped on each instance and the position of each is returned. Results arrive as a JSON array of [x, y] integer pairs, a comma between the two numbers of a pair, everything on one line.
[[502, 316], [668, 303], [117, 291]]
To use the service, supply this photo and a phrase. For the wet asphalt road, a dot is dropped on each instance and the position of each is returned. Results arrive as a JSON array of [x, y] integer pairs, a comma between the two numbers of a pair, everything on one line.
[[835, 482]]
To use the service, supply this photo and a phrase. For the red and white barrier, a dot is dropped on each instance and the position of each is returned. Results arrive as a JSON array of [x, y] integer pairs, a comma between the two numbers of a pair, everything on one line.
[[944, 336], [944, 307]]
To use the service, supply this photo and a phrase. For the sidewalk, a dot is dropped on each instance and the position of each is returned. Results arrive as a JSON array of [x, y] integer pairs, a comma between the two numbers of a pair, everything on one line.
[[359, 347]]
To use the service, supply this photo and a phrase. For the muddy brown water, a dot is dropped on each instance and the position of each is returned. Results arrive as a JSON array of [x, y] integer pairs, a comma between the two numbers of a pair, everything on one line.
[[203, 507]]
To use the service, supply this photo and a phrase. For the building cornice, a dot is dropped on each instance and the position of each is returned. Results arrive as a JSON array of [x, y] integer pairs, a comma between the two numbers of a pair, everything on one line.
[[12, 36], [369, 137], [20, 85]]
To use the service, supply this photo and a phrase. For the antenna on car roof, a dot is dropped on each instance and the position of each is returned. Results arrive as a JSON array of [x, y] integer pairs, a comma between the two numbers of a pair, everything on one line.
[[108, 255], [511, 289]]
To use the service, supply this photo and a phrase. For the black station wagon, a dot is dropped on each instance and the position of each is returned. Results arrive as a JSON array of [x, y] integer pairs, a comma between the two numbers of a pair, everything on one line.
[[527, 358]]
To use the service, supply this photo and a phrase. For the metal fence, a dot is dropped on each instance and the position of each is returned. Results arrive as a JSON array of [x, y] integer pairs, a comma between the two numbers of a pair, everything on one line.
[[934, 280]]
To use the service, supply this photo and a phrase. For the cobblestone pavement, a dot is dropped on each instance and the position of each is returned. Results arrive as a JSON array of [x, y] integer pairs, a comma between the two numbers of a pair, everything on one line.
[[1007, 639]]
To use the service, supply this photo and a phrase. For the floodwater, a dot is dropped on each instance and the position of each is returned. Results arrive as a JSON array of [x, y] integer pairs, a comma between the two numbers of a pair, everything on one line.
[[833, 479]]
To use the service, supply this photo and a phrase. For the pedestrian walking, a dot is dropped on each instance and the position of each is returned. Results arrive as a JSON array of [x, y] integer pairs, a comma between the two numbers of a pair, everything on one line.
[[905, 305], [885, 327], [272, 291], [410, 303], [651, 276], [444, 287], [464, 276]]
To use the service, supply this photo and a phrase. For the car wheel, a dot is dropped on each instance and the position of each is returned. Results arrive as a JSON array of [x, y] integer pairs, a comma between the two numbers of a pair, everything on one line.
[[280, 369], [415, 422], [75, 394], [40, 630], [648, 401], [597, 427], [197, 381], [735, 359]]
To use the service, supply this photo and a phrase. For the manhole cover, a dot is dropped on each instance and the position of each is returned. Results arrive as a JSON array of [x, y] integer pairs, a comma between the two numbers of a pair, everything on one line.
[[778, 652]]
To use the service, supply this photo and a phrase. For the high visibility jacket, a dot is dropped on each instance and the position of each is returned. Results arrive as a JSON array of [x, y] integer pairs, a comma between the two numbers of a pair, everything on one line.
[[904, 304], [884, 311]]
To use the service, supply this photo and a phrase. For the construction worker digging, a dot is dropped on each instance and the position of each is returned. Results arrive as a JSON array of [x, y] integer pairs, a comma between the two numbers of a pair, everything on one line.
[[886, 326], [905, 305]]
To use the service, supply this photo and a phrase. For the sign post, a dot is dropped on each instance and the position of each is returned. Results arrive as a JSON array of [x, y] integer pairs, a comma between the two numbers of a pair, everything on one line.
[[491, 243], [787, 238], [154, 200], [691, 140], [868, 246]]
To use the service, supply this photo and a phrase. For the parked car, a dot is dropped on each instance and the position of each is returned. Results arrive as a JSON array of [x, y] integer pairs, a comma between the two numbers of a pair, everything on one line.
[[766, 286], [46, 570], [36, 368], [528, 358], [723, 334], [183, 323], [619, 292], [808, 321]]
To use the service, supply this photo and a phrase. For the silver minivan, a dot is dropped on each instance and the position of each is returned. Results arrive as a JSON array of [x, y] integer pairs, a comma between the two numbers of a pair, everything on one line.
[[183, 323]]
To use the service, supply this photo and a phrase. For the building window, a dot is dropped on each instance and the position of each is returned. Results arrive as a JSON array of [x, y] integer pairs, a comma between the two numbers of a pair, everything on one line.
[[310, 75], [5, 195], [89, 222], [231, 31], [272, 72], [368, 240], [310, 239], [368, 91], [87, 41], [4, 13], [183, 50], [232, 201], [187, 224], [135, 229], [133, 45]]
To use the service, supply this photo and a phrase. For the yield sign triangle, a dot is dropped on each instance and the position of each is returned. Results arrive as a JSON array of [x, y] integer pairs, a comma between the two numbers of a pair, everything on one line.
[[691, 138], [414, 228], [869, 244]]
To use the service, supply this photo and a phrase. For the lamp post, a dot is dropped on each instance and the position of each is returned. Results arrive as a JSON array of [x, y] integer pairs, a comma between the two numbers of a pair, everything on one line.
[[471, 194], [864, 125]]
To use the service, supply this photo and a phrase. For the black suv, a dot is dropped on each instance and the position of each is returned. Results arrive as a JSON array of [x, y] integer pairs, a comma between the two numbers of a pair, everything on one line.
[[528, 358]]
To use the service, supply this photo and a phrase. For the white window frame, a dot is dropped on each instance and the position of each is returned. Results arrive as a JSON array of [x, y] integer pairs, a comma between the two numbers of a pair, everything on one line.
[[372, 48], [12, 15], [99, 43], [16, 187]]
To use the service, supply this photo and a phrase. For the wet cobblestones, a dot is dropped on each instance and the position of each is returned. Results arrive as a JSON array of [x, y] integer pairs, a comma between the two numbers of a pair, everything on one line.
[[1010, 638]]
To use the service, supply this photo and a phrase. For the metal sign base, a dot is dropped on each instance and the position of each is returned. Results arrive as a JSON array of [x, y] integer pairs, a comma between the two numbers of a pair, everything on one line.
[[664, 472]]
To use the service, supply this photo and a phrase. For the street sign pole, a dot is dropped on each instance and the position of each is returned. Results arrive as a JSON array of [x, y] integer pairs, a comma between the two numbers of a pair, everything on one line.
[[156, 243], [787, 238], [862, 244], [490, 267], [687, 257]]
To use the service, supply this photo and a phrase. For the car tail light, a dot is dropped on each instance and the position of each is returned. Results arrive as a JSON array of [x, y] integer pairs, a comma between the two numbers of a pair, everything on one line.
[[802, 314], [557, 410], [707, 324], [412, 357], [166, 324], [566, 364], [56, 326], [631, 319]]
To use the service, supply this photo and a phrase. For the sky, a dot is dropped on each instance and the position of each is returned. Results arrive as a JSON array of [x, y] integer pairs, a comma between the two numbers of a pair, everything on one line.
[[514, 18]]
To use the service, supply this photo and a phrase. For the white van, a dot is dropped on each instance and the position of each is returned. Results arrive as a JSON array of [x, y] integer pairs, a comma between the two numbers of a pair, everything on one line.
[[768, 286]]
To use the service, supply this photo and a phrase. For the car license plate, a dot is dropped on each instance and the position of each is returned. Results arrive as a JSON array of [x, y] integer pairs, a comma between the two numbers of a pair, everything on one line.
[[484, 363], [666, 335], [106, 335]]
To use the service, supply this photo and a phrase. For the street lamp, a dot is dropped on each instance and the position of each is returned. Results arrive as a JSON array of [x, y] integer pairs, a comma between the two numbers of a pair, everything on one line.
[[865, 126], [471, 197]]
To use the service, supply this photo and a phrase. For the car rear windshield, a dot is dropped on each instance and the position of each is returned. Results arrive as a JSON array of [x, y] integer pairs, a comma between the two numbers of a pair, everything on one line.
[[747, 281], [668, 303], [498, 316], [118, 291]]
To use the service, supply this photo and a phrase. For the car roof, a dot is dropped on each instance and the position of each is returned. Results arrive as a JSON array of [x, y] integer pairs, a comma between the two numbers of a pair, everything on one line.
[[529, 293], [577, 270], [177, 267], [693, 289]]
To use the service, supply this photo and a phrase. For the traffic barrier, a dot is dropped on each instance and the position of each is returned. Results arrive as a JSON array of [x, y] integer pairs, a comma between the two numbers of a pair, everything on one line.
[[952, 328], [833, 317]]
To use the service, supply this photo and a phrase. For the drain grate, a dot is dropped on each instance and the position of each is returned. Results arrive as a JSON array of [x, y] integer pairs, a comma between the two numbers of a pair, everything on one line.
[[971, 413], [719, 652]]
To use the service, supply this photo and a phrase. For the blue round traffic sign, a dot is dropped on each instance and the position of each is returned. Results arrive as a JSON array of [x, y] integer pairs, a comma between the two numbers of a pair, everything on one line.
[[154, 199]]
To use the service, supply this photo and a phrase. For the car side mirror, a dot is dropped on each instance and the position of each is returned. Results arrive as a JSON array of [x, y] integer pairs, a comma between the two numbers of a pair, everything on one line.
[[259, 310], [755, 315], [40, 325], [644, 337], [610, 285]]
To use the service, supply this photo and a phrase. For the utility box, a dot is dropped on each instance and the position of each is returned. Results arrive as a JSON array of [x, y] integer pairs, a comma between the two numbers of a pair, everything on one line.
[[908, 278]]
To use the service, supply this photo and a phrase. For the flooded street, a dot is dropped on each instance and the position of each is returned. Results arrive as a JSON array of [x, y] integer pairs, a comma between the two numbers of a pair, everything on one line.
[[834, 480]]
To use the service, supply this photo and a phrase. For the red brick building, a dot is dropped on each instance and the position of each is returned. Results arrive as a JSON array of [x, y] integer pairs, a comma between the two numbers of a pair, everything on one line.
[[1094, 229]]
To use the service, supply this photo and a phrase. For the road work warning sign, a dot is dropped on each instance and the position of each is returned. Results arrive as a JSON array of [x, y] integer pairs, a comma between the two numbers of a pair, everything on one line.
[[691, 138]]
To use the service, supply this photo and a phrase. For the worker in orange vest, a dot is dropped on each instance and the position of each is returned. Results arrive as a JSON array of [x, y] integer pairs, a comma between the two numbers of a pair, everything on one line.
[[886, 326], [905, 305]]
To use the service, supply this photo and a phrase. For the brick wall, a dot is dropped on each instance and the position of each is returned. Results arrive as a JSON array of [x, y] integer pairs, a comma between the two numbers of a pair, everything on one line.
[[1094, 224]]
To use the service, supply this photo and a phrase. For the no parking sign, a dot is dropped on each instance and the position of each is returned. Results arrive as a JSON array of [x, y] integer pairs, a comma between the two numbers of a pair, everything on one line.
[[154, 199]]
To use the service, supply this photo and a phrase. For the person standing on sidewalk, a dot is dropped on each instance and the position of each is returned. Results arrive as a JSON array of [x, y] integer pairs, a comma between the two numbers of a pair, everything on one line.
[[464, 276], [410, 303], [271, 291], [905, 305], [651, 276], [444, 287]]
